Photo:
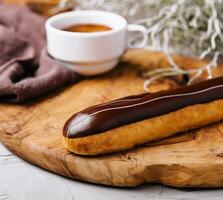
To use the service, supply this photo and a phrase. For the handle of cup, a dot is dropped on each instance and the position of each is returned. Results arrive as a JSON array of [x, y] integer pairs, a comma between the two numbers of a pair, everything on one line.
[[138, 28]]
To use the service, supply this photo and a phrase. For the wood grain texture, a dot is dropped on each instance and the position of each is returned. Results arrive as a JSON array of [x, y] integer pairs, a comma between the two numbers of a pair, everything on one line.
[[33, 132]]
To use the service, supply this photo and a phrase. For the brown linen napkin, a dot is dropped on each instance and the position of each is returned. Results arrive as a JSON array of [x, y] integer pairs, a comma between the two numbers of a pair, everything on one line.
[[26, 70]]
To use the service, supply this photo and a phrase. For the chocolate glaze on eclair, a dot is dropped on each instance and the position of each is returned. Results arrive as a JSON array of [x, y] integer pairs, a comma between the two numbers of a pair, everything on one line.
[[113, 114]]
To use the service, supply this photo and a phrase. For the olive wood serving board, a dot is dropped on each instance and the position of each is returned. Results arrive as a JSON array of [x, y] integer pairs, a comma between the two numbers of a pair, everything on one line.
[[33, 132]]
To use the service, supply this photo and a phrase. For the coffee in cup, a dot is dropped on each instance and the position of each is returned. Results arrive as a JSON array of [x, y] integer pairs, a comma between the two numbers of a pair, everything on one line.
[[87, 28]]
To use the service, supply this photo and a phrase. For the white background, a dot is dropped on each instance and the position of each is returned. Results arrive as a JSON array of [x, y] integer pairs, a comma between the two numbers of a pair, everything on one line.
[[20, 180]]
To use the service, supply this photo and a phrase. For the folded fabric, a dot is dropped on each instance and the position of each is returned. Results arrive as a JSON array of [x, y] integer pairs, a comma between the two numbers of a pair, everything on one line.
[[26, 70]]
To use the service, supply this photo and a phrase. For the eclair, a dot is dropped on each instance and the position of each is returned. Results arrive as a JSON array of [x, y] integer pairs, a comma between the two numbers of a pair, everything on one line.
[[131, 121]]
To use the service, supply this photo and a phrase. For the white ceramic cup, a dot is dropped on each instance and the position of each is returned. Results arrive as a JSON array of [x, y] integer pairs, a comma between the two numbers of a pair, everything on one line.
[[90, 53]]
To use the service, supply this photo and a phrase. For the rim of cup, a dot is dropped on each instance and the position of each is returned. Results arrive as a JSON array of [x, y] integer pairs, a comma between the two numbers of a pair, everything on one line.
[[80, 13]]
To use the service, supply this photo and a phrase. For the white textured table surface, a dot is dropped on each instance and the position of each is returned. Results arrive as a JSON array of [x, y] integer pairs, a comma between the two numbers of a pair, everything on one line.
[[20, 180]]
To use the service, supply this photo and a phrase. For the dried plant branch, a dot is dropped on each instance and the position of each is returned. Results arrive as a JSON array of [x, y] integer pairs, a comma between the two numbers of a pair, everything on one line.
[[188, 27], [4, 196]]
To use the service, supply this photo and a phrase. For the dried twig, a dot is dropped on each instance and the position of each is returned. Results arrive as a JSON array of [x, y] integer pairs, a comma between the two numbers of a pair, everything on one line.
[[190, 27], [4, 196]]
